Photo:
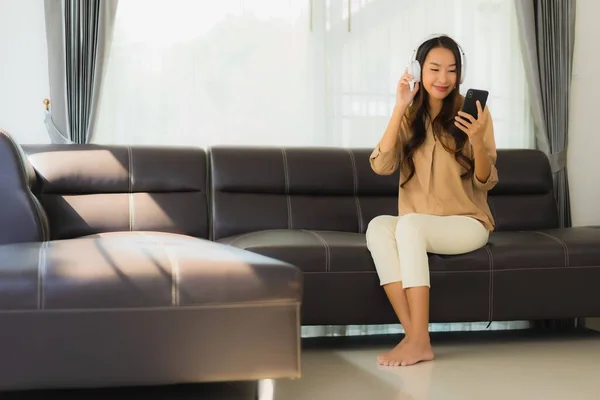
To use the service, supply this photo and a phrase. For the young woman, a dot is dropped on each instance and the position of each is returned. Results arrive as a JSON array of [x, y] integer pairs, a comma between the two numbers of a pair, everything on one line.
[[447, 166]]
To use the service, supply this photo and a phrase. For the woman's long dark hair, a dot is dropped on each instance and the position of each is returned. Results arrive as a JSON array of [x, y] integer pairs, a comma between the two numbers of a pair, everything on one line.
[[443, 124]]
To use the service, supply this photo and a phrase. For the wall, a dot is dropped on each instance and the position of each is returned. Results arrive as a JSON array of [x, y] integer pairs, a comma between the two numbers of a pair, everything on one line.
[[583, 156], [23, 70]]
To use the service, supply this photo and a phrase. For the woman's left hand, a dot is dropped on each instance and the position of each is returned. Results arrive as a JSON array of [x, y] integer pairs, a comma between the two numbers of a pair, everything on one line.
[[473, 128]]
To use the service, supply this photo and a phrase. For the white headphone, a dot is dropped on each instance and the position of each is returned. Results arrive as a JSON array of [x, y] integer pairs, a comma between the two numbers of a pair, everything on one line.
[[413, 61]]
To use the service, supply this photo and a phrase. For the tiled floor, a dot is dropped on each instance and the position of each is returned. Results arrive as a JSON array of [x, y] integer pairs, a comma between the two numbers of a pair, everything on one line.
[[530, 366], [468, 366]]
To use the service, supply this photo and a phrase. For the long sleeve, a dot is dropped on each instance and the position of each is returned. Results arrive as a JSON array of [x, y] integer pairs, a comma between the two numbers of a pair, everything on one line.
[[385, 162], [490, 145]]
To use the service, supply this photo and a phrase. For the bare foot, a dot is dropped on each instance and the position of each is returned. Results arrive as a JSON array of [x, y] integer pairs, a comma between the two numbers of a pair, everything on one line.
[[415, 352], [385, 358], [407, 353]]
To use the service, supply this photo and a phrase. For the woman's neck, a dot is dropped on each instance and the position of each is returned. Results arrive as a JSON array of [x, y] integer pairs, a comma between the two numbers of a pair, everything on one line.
[[435, 106]]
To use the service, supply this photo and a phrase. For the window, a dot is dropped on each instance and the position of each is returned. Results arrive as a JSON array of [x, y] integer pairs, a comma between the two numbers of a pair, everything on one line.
[[297, 72]]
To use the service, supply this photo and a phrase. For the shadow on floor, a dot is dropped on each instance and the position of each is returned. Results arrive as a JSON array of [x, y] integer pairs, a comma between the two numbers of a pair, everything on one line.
[[209, 391]]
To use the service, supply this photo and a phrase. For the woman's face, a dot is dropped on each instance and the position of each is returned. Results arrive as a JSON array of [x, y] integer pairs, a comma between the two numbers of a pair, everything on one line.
[[439, 74]]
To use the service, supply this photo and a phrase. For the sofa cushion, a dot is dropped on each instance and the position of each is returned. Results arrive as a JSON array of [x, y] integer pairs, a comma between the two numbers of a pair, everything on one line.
[[334, 189], [87, 189], [264, 188], [342, 287], [546, 274], [148, 309], [523, 200], [311, 251], [517, 275], [338, 252], [329, 251], [151, 269]]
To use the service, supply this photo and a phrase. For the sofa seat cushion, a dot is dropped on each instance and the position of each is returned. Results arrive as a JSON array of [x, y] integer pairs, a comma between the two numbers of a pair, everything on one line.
[[311, 251], [532, 268], [338, 252], [148, 309], [545, 249], [140, 269], [343, 252]]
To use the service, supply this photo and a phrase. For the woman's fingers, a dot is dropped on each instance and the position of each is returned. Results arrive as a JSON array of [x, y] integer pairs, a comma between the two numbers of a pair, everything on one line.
[[466, 116], [462, 127]]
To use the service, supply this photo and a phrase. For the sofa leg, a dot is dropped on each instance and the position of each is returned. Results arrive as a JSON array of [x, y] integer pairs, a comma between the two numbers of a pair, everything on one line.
[[265, 389]]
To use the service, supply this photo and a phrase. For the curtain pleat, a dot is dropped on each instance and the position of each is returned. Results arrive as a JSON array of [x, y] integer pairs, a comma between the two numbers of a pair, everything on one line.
[[76, 63]]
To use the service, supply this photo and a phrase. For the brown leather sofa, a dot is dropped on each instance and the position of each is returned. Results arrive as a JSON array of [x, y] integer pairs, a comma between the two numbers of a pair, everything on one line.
[[308, 207], [107, 277]]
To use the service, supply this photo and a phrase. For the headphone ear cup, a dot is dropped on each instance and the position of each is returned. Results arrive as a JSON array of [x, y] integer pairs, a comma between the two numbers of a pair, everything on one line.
[[414, 68]]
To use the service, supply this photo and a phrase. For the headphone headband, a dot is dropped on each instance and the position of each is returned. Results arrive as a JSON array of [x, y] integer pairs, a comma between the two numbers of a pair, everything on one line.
[[463, 59]]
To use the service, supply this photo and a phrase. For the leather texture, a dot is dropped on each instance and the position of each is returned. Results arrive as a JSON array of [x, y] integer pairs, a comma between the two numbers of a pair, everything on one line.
[[132, 308], [22, 218], [259, 188], [130, 284], [311, 207], [87, 189]]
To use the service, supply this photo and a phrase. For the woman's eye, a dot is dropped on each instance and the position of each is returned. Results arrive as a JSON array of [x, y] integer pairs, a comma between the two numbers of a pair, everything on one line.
[[436, 70], [452, 71]]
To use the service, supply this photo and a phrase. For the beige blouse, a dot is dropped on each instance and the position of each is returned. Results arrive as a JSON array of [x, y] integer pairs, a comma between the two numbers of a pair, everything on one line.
[[437, 188]]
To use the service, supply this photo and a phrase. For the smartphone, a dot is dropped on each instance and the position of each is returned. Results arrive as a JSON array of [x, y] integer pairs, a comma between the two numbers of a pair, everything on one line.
[[470, 104]]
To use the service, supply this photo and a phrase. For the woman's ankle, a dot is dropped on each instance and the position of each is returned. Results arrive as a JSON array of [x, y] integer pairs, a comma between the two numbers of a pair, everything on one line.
[[418, 337]]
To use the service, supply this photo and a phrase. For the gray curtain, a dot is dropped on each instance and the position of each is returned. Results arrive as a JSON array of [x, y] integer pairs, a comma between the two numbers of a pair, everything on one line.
[[547, 32], [78, 36]]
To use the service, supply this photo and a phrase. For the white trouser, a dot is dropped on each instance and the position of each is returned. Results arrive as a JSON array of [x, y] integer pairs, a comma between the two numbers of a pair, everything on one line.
[[399, 245]]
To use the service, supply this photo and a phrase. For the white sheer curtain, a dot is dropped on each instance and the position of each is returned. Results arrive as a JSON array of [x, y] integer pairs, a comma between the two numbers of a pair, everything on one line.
[[198, 72], [295, 72]]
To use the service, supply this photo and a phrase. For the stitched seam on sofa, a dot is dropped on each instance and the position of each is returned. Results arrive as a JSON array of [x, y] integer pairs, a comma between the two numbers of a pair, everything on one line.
[[563, 244], [41, 295], [491, 289], [130, 195], [327, 255], [287, 189], [242, 304], [239, 237], [548, 268], [374, 272], [355, 192], [173, 265]]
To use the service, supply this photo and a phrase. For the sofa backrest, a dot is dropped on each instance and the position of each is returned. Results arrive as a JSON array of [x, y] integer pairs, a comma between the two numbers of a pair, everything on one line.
[[22, 218], [335, 189], [524, 198], [89, 189], [298, 188]]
